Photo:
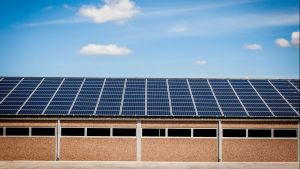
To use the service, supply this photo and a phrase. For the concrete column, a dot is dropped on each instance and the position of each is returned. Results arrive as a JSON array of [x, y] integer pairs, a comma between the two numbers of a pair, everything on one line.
[[138, 141], [57, 137], [299, 141], [219, 141]]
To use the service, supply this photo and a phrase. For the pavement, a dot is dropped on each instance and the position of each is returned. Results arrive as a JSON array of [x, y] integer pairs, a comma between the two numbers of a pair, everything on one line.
[[140, 165]]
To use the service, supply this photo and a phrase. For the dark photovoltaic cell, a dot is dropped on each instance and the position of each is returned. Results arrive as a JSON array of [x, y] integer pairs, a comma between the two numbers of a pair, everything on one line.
[[181, 100], [250, 99], [289, 92], [295, 83], [157, 97], [87, 98], [274, 100], [149, 97], [18, 95], [205, 102], [37, 103], [111, 98], [6, 85], [134, 98], [227, 99], [64, 97]]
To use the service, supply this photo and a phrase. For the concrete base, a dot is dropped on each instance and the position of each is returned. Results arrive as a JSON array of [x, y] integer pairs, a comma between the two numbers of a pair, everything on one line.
[[141, 165]]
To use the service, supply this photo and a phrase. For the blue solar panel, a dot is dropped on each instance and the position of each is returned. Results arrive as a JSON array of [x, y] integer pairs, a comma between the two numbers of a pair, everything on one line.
[[179, 95], [250, 99], [111, 97], [91, 89], [108, 112], [289, 91], [14, 100], [260, 113], [134, 97], [295, 83], [64, 97], [157, 97], [275, 100], [149, 97]]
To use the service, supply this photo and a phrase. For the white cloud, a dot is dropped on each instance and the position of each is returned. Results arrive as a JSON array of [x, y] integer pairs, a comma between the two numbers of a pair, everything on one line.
[[295, 38], [282, 42], [254, 46], [200, 62], [114, 10], [177, 29], [99, 50]]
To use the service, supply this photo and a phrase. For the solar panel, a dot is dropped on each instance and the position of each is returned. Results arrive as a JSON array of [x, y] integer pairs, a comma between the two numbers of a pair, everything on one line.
[[64, 97], [111, 97], [157, 98], [289, 92], [204, 99], [16, 98], [295, 83], [149, 97], [181, 100], [134, 98], [227, 98], [250, 99], [87, 98], [6, 86], [274, 100], [41, 96]]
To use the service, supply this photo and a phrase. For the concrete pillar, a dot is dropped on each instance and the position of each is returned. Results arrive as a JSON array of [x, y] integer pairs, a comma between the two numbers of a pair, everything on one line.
[[219, 141], [299, 141], [138, 141], [57, 137]]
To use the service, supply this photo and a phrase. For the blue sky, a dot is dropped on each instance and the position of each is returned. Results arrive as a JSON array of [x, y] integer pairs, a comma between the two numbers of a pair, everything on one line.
[[142, 38]]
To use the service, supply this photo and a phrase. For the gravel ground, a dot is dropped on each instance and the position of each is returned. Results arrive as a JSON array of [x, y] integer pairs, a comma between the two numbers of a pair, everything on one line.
[[140, 165]]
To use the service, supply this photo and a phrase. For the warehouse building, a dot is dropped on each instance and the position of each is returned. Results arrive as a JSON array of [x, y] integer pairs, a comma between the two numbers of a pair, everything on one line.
[[149, 119]]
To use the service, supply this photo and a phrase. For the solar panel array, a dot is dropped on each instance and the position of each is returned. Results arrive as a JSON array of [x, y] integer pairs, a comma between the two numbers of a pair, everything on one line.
[[149, 97]]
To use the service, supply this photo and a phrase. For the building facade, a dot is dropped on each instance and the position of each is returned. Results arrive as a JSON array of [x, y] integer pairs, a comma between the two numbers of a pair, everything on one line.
[[108, 119]]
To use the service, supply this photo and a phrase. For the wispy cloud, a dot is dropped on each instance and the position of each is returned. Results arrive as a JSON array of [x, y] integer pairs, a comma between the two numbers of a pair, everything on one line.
[[177, 28], [295, 38], [104, 50], [269, 19], [67, 6], [227, 24], [282, 42], [56, 22], [174, 11], [114, 10], [254, 46], [49, 7], [200, 62]]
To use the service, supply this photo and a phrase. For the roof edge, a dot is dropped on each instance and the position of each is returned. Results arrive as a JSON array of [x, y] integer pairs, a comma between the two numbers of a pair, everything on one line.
[[210, 78]]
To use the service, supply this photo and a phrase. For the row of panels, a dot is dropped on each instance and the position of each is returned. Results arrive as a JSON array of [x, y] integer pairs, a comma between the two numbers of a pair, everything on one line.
[[138, 97]]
